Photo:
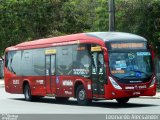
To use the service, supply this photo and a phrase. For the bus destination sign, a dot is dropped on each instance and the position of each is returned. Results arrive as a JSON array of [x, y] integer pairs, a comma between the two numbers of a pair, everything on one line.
[[128, 46]]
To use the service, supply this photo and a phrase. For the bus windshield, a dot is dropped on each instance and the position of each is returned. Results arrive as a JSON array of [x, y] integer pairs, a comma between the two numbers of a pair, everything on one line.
[[134, 66]]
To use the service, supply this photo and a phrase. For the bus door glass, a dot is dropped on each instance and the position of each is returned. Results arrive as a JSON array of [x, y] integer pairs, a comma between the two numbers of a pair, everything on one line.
[[98, 73], [50, 74]]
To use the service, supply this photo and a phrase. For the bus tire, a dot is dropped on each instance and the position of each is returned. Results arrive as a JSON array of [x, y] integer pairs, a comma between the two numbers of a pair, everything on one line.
[[81, 95], [122, 100], [27, 93]]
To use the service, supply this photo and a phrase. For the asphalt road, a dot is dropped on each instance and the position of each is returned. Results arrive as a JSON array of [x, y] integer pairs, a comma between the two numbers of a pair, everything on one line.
[[15, 104]]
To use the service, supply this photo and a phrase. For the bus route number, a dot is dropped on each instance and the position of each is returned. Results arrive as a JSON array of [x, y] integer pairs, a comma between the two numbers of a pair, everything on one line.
[[15, 82]]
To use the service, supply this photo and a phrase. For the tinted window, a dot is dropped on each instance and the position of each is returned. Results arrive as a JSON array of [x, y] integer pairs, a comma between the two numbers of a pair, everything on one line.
[[50, 65], [81, 60], [13, 62], [38, 62], [27, 67], [64, 60]]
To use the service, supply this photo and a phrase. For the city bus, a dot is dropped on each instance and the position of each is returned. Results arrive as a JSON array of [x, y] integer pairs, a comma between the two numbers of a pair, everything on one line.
[[86, 66]]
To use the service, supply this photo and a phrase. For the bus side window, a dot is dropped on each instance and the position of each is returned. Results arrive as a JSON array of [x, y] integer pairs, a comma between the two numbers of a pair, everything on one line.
[[81, 60], [64, 60]]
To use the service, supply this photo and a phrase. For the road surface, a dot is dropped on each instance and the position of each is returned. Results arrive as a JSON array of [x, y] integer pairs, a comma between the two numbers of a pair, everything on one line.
[[15, 104]]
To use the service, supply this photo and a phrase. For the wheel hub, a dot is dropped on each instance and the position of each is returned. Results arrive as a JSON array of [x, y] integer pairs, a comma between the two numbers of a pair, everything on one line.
[[82, 95]]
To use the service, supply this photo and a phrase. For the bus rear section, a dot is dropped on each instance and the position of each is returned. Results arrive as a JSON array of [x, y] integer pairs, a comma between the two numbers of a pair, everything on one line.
[[94, 66]]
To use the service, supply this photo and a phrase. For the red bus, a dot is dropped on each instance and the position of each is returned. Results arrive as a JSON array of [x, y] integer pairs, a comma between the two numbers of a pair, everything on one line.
[[87, 66]]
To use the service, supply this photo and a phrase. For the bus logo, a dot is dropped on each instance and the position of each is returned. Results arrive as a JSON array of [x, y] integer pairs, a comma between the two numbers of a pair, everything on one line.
[[67, 83]]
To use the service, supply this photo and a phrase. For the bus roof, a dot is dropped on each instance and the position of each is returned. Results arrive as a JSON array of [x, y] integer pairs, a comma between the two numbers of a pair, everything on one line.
[[116, 36], [104, 36]]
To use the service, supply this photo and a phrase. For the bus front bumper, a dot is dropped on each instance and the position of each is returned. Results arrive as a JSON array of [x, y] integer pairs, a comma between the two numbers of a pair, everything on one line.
[[112, 93]]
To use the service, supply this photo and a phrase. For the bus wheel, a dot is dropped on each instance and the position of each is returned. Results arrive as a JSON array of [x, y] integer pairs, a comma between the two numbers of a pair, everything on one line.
[[62, 99], [122, 100], [27, 93], [81, 95]]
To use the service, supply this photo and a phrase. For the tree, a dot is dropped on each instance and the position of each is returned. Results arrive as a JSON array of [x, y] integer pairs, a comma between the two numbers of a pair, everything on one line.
[[79, 16], [140, 17], [102, 20], [23, 20]]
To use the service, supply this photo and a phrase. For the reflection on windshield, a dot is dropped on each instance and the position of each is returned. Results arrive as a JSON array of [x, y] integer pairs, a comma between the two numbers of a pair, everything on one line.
[[127, 65]]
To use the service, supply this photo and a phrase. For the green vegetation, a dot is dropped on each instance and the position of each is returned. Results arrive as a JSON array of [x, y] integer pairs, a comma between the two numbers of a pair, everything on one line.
[[25, 20]]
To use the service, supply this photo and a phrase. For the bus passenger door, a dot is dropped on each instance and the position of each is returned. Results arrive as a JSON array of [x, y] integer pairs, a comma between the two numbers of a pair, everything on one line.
[[50, 61], [98, 73]]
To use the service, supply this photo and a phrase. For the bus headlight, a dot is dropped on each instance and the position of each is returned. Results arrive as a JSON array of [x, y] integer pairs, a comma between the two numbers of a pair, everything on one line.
[[115, 85], [153, 82]]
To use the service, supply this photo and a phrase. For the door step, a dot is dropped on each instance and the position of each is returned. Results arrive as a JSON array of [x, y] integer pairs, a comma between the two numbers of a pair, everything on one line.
[[97, 99], [51, 95]]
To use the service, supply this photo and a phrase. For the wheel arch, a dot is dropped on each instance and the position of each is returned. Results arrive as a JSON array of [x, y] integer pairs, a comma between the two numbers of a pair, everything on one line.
[[77, 83]]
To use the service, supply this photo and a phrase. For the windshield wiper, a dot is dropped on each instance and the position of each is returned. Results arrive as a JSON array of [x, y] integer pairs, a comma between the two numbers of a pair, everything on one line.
[[141, 72], [135, 75], [128, 76]]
